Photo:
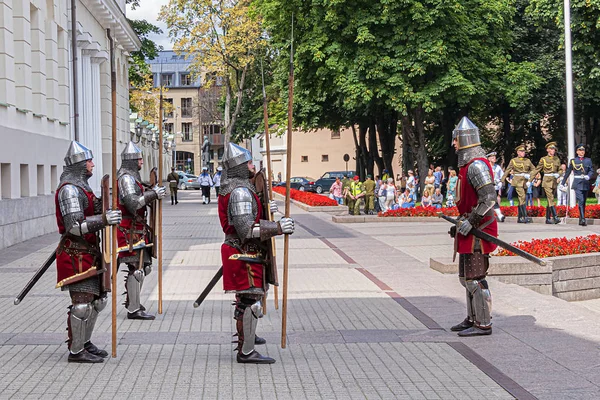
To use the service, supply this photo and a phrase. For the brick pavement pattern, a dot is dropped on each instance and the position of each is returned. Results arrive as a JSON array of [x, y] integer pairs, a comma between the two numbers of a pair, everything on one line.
[[348, 338]]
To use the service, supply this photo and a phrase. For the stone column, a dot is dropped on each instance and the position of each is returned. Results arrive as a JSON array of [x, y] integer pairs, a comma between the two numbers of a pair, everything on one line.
[[22, 52], [7, 62]]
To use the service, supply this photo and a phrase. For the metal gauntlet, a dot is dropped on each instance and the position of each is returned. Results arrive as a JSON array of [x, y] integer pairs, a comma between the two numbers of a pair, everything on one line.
[[268, 229]]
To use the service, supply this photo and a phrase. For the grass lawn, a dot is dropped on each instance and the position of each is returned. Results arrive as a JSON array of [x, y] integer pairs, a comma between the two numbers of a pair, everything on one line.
[[543, 201]]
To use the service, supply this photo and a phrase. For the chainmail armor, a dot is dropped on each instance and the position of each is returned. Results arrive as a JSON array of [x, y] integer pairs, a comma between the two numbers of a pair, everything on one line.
[[238, 176], [89, 285], [76, 174], [130, 167], [466, 155]]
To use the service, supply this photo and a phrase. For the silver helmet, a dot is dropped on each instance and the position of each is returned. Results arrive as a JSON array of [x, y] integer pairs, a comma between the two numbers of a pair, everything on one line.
[[131, 152], [235, 155], [77, 153], [466, 134]]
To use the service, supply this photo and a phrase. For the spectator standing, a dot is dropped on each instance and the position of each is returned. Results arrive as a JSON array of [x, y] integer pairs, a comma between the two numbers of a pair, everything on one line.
[[561, 197], [173, 180], [385, 175], [439, 176], [596, 189], [391, 194], [279, 176], [411, 182], [205, 184], [336, 190], [452, 181], [437, 199], [510, 191], [536, 191], [346, 190], [426, 199], [217, 180], [529, 196], [430, 181], [497, 171]]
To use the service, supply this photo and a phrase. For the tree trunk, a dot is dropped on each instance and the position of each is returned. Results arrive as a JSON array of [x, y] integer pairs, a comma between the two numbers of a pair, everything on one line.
[[419, 145], [366, 164], [357, 156], [505, 115], [227, 113], [374, 156], [387, 125], [239, 97]]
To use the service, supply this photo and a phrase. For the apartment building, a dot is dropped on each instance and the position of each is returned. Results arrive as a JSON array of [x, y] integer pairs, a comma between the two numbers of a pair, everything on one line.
[[37, 113], [195, 111]]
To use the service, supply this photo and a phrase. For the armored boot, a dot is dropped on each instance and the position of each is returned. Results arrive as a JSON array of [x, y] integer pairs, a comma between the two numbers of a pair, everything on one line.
[[582, 220], [77, 323], [134, 282], [481, 303], [247, 319], [468, 321], [97, 306]]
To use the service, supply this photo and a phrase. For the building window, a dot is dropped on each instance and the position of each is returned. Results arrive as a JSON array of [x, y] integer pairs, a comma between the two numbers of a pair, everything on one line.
[[167, 79], [187, 131], [169, 106], [335, 134], [168, 128], [186, 80], [261, 143], [211, 129], [304, 158], [325, 158], [186, 107]]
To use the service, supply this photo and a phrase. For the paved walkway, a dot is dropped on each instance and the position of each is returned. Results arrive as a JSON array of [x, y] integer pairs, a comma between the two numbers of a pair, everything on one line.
[[367, 319]]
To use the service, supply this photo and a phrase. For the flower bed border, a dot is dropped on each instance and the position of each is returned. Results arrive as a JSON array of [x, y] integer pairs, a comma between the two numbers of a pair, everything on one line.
[[326, 209], [349, 219]]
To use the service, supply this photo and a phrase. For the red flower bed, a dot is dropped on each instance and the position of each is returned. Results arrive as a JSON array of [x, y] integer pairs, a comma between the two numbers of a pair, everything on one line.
[[557, 246], [420, 212], [310, 199]]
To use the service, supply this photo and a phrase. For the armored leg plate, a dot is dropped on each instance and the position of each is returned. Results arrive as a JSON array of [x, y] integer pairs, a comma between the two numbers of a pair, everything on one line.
[[481, 302], [250, 320], [78, 323], [134, 288]]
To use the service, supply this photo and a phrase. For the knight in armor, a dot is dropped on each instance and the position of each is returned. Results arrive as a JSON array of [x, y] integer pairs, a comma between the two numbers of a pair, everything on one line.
[[521, 169], [497, 170], [133, 234], [246, 227], [582, 169], [549, 165], [80, 217], [475, 199]]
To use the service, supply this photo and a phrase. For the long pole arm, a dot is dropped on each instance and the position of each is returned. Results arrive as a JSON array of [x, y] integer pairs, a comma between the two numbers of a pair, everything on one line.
[[113, 88]]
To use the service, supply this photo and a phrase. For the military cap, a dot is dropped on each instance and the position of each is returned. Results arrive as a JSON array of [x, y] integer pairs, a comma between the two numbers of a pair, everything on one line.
[[580, 146], [551, 145], [369, 176], [520, 147], [493, 153]]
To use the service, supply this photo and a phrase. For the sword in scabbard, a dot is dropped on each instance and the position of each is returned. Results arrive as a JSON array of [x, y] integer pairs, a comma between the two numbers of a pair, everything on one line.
[[36, 277], [492, 239], [209, 287]]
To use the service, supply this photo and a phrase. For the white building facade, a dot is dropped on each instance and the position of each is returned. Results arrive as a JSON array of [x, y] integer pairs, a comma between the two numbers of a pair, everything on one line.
[[36, 102]]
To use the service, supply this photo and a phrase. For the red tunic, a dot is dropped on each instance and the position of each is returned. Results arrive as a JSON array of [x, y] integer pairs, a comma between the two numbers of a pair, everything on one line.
[[74, 262], [238, 275], [123, 237], [467, 200]]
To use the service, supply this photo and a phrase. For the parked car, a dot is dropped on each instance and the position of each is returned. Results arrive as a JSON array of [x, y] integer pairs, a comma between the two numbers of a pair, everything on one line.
[[301, 183], [323, 184], [188, 181]]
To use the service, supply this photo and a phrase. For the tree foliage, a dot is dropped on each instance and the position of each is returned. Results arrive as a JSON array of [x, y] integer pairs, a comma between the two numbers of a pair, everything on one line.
[[139, 69]]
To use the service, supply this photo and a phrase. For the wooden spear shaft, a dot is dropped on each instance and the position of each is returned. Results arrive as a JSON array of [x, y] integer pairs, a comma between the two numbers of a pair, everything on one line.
[[288, 176], [159, 203], [113, 88], [269, 172]]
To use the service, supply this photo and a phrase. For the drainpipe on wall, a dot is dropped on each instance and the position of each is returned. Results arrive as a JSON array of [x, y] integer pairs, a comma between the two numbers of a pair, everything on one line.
[[75, 85]]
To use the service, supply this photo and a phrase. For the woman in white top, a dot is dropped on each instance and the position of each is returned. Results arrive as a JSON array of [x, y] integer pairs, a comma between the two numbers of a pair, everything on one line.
[[390, 193]]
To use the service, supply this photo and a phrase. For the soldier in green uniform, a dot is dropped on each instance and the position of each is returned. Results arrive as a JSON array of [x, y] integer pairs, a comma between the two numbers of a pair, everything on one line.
[[549, 165], [521, 169], [345, 188], [369, 187]]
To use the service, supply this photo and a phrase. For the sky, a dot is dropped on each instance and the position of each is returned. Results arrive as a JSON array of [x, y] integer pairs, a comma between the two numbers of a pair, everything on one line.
[[149, 10]]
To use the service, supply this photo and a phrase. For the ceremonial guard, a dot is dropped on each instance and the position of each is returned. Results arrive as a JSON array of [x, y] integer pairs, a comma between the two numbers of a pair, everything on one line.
[[246, 229], [173, 180], [134, 234], [475, 202], [497, 170], [80, 217], [521, 169], [582, 170], [549, 165], [206, 183]]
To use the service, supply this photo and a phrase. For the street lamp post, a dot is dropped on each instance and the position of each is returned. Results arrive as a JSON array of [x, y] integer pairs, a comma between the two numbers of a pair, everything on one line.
[[569, 84]]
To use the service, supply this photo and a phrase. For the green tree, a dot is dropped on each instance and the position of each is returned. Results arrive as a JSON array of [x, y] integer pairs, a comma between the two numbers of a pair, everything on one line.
[[139, 69]]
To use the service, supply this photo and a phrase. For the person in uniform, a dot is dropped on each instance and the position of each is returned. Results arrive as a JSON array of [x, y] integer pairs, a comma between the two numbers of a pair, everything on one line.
[[582, 169], [475, 199], [369, 187], [133, 233], [173, 180], [549, 165], [497, 170], [521, 170], [205, 184], [80, 217], [217, 180], [245, 224], [357, 192]]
